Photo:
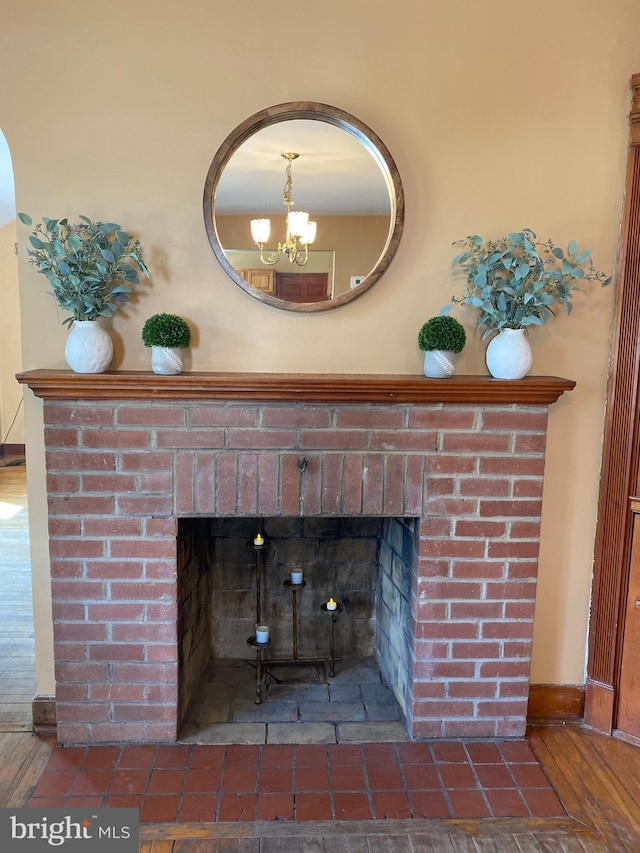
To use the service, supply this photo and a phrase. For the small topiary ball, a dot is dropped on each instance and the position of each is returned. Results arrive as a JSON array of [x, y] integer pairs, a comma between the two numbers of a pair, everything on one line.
[[166, 330], [442, 333]]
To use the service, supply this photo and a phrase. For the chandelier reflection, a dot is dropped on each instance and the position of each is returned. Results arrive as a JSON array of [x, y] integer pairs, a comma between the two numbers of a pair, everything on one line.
[[301, 232]]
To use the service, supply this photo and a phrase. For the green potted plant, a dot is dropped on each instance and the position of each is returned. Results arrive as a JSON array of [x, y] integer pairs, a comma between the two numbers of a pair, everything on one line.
[[92, 268], [516, 282], [441, 338], [167, 335]]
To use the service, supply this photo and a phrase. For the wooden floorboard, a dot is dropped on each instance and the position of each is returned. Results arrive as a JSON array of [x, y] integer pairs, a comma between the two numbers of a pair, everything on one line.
[[597, 779]]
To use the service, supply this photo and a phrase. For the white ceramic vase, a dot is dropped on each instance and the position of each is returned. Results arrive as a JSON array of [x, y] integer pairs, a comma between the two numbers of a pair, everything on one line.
[[438, 364], [166, 360], [88, 349], [509, 354]]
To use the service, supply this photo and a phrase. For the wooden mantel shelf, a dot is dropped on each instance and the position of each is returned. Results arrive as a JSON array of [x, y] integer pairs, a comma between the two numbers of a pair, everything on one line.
[[288, 387]]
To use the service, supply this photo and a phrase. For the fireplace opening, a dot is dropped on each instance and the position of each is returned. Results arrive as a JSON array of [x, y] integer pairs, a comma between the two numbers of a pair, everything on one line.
[[365, 564]]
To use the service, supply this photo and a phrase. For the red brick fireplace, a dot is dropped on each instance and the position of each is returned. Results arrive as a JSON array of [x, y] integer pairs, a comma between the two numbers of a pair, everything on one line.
[[128, 454]]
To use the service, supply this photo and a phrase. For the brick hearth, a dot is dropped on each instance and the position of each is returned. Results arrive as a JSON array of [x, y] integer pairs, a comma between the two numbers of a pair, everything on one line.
[[129, 454]]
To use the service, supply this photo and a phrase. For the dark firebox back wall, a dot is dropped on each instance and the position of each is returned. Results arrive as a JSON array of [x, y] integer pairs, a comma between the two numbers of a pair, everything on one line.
[[339, 557]]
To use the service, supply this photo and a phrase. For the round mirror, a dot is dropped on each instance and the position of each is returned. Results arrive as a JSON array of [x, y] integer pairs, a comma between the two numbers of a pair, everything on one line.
[[303, 206]]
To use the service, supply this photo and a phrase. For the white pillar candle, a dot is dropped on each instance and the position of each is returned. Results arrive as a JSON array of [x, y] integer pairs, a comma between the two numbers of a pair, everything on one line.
[[296, 575], [262, 634]]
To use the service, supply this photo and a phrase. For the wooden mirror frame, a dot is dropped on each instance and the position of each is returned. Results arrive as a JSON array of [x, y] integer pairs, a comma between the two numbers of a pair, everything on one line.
[[307, 110]]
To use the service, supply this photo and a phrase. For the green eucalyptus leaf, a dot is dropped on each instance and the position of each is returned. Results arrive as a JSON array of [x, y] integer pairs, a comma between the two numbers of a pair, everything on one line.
[[514, 281], [51, 225], [25, 219], [91, 267]]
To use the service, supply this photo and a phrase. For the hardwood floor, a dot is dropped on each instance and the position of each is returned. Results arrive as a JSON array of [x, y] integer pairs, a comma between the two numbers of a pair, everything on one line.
[[17, 651], [597, 779]]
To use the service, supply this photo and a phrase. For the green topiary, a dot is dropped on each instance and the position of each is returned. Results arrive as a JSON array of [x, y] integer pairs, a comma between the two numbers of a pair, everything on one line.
[[166, 330], [442, 333]]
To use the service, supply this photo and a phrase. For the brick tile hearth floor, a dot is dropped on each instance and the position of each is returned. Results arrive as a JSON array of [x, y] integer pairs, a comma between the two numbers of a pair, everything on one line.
[[248, 782]]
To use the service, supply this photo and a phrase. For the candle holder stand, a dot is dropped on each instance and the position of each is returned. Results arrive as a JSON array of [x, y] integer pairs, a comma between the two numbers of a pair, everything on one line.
[[252, 641], [261, 662], [259, 648], [294, 587], [334, 611]]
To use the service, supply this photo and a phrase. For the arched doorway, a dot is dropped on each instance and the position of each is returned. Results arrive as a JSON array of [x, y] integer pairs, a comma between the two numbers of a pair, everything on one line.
[[17, 673]]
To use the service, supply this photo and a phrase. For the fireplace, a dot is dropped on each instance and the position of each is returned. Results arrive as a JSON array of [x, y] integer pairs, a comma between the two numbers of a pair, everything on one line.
[[129, 455], [366, 563]]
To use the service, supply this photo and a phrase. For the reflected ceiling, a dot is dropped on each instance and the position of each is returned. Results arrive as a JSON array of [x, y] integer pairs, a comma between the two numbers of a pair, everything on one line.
[[334, 173]]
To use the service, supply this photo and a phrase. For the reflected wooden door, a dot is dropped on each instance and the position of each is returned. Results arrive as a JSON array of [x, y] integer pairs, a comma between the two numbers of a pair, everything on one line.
[[302, 287], [629, 689]]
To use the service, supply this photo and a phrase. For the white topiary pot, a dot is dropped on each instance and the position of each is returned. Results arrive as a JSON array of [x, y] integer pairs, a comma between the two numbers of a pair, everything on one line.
[[509, 355], [438, 364], [166, 360], [89, 348]]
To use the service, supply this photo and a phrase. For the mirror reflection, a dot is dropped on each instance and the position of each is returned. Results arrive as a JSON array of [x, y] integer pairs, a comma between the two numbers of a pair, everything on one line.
[[303, 207]]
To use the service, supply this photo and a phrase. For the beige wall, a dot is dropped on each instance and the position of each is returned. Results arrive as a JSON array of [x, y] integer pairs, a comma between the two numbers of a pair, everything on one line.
[[498, 117], [10, 348]]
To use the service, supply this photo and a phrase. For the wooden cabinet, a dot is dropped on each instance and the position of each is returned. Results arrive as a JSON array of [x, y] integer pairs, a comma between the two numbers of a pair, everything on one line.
[[262, 279]]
